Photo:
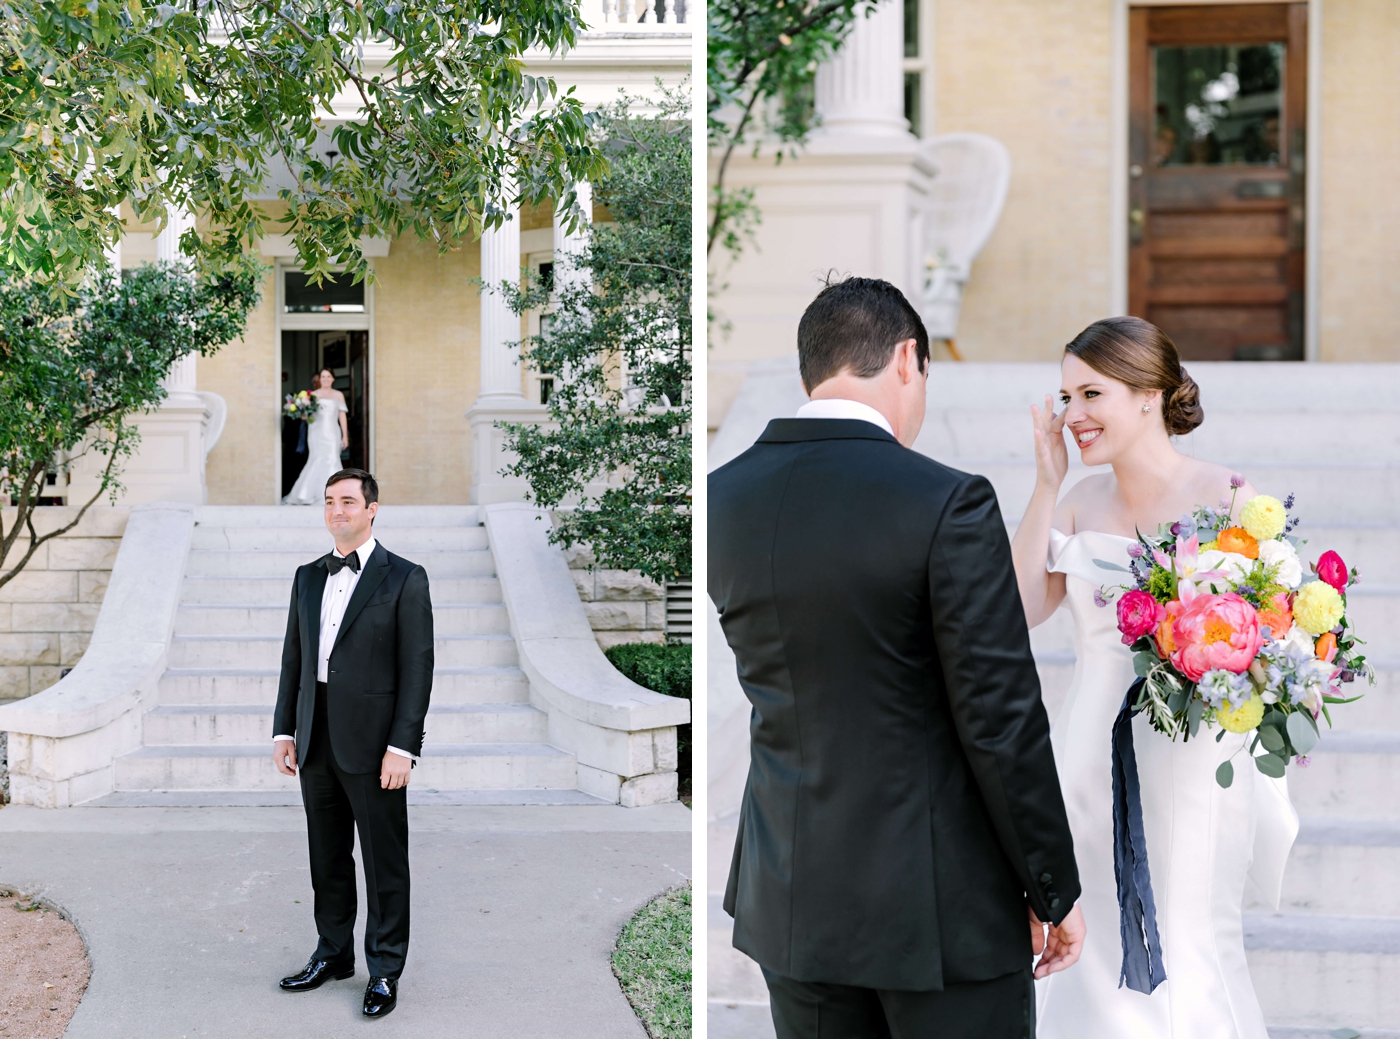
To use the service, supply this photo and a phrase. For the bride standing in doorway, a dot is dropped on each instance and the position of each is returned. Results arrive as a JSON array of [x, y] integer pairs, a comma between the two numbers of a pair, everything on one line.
[[326, 437]]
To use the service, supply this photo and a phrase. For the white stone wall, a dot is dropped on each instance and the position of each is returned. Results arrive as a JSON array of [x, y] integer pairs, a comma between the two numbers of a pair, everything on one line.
[[622, 605], [48, 609]]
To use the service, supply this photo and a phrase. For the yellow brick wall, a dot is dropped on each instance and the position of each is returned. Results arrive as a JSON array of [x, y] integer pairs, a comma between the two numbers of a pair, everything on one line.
[[48, 609], [426, 370], [242, 468], [1360, 220], [1035, 74]]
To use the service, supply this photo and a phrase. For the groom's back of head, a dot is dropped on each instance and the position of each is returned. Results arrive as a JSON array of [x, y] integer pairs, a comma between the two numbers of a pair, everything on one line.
[[854, 325]]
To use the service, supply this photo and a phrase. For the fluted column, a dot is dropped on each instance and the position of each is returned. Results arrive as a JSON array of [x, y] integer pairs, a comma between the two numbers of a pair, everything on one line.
[[500, 326], [567, 246], [860, 91], [183, 375]]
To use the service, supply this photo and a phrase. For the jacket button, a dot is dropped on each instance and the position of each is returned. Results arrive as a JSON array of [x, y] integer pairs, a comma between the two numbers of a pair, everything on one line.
[[1045, 878], [1054, 903]]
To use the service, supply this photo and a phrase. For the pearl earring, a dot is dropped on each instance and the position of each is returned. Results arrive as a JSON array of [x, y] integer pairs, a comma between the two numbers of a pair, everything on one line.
[[1146, 408]]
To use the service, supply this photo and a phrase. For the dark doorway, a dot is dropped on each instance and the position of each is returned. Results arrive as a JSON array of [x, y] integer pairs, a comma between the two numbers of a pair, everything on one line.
[[346, 354], [1217, 117]]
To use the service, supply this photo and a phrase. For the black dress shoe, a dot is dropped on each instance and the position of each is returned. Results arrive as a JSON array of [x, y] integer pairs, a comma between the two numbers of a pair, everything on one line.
[[381, 995], [315, 974]]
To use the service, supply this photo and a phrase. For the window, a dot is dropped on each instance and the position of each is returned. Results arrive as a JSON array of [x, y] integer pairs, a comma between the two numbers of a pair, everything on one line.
[[918, 68], [335, 295]]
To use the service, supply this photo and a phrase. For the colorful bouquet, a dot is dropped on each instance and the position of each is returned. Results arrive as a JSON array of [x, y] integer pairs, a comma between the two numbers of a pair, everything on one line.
[[1226, 627], [301, 406]]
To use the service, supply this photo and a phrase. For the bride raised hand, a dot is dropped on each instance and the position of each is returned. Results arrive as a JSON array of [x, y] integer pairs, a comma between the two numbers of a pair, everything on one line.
[[1123, 396]]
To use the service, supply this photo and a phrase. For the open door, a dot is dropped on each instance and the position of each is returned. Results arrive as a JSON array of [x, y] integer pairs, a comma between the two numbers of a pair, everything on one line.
[[1217, 118]]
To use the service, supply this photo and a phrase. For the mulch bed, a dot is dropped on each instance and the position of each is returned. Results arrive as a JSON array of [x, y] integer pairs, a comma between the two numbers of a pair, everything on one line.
[[44, 969]]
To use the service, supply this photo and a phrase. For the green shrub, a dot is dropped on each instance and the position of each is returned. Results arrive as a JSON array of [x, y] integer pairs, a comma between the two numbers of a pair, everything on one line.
[[666, 670]]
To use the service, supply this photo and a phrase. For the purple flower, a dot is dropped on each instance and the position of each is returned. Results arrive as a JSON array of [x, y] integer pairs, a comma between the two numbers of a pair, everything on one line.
[[1175, 528], [1136, 551], [1225, 505], [1099, 600], [1288, 502], [1236, 481], [1302, 761]]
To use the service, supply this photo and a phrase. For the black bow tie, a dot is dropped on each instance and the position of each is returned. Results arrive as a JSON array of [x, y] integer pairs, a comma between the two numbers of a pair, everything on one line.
[[337, 563]]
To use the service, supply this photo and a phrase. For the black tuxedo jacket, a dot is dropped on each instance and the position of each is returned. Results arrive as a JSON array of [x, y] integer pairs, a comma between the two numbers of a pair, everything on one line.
[[380, 674], [902, 805]]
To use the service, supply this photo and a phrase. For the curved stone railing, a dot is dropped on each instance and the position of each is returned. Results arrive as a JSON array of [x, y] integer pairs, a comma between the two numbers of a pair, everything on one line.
[[62, 742], [623, 735]]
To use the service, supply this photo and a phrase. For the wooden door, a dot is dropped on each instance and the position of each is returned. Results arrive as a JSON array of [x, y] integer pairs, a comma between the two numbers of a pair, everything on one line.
[[1216, 128]]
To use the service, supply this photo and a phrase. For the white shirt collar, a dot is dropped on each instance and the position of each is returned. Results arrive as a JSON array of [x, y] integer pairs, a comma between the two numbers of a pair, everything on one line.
[[364, 551], [837, 407]]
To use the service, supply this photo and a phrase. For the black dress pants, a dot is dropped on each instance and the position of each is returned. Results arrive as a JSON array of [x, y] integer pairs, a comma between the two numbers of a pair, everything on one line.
[[337, 802], [1003, 1008]]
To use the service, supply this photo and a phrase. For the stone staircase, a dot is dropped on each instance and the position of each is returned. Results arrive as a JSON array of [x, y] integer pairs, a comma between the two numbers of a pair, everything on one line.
[[208, 741]]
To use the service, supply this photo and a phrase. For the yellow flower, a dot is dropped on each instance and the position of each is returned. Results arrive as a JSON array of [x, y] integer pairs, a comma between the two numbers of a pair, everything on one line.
[[1243, 718], [1210, 546], [1263, 517], [1317, 607]]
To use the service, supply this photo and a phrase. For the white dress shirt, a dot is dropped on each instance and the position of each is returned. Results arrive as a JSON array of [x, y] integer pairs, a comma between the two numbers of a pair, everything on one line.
[[334, 599], [838, 407]]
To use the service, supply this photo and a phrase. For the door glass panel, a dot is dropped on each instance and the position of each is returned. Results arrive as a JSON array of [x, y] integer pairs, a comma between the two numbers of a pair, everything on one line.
[[1218, 105], [337, 294]]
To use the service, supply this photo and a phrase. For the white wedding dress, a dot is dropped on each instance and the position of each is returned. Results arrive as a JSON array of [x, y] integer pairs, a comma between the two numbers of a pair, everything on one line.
[[323, 455], [1202, 843]]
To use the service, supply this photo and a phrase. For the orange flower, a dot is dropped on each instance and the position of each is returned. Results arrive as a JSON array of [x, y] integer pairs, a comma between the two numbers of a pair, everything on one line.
[[1166, 640], [1239, 540], [1326, 647], [1277, 617]]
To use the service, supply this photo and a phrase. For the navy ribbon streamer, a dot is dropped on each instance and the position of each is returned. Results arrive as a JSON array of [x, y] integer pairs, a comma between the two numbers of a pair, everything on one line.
[[1137, 912]]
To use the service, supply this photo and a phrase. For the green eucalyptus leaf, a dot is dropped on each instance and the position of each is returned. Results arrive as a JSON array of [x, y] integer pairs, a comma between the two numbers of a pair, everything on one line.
[[1271, 765], [1271, 738], [1225, 774], [1302, 732]]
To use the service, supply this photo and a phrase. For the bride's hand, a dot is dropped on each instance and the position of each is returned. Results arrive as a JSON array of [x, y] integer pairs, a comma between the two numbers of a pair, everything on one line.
[[1063, 944], [1051, 455]]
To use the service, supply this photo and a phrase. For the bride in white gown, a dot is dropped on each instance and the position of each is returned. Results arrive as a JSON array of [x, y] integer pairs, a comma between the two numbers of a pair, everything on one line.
[[1124, 394], [325, 438]]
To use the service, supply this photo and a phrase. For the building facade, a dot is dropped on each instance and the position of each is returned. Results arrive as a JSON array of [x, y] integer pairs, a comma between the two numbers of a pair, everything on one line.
[[1118, 202]]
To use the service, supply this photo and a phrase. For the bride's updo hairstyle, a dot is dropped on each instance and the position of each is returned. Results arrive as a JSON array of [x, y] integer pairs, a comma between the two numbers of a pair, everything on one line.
[[1141, 355]]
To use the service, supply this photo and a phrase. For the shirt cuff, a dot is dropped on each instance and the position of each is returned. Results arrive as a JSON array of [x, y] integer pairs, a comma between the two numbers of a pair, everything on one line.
[[276, 738], [402, 753]]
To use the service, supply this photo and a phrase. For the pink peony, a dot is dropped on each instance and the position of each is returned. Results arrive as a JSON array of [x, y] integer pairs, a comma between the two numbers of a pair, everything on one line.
[[1215, 632], [1138, 614], [1332, 570]]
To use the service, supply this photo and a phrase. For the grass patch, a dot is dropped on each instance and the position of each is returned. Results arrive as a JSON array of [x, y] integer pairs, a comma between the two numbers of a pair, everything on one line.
[[665, 670], [652, 963]]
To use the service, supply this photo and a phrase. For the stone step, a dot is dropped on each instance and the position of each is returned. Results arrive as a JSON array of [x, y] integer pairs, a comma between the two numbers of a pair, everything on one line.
[[292, 798], [270, 621], [218, 686], [1334, 867], [213, 651], [465, 766], [213, 563], [302, 516], [251, 724], [1326, 493], [1352, 775], [277, 591], [1322, 971], [403, 541]]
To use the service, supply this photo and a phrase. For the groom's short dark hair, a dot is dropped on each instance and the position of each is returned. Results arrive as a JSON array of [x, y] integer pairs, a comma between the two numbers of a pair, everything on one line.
[[368, 485], [853, 325]]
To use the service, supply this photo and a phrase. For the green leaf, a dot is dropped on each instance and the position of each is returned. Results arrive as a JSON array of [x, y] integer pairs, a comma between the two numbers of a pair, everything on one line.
[[1103, 564], [1271, 738], [1344, 1033], [1143, 663], [1176, 700], [1194, 710], [1225, 774], [1302, 732], [1271, 765]]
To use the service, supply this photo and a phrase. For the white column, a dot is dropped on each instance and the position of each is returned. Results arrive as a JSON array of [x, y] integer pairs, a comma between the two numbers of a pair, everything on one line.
[[861, 90], [183, 375], [500, 326], [567, 246]]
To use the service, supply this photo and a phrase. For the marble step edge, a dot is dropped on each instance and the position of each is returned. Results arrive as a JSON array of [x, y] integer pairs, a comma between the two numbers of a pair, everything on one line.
[[282, 609], [1373, 833], [269, 709], [1309, 1032], [432, 750], [282, 638], [292, 798], [1309, 932], [272, 672]]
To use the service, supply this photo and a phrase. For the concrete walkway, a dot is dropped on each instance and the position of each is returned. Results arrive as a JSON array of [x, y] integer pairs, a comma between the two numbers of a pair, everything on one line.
[[191, 915]]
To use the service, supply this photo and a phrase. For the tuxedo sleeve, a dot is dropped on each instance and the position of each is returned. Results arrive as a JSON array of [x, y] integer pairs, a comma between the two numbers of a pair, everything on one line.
[[415, 660], [284, 716], [994, 693]]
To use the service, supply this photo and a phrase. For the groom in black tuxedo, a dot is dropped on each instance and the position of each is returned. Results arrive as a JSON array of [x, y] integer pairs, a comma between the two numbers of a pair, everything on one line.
[[902, 823], [357, 671]]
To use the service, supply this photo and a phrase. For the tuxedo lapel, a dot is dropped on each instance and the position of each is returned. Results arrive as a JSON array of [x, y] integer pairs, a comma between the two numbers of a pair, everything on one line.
[[375, 571], [311, 600]]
